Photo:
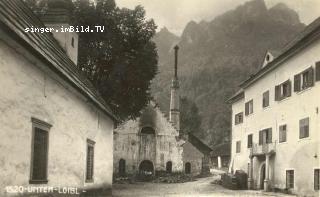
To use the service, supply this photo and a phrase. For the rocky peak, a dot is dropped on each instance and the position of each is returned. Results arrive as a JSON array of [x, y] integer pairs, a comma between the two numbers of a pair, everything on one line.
[[282, 13]]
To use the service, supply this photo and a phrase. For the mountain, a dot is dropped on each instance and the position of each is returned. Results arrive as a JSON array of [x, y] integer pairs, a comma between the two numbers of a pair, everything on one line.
[[215, 56]]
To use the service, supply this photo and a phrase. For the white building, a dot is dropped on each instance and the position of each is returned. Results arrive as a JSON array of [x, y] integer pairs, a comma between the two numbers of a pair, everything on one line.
[[56, 132], [276, 119]]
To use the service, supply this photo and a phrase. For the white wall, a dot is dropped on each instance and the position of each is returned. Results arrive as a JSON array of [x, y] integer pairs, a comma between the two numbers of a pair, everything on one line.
[[28, 91], [296, 153]]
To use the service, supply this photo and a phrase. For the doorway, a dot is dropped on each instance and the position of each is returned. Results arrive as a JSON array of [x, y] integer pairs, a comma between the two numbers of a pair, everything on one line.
[[262, 175], [187, 168]]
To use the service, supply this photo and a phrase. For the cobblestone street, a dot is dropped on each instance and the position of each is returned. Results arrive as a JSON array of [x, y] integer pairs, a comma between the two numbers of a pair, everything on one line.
[[202, 187]]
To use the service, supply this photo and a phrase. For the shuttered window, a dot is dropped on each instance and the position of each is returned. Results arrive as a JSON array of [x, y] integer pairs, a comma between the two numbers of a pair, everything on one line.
[[39, 160], [265, 99], [90, 161], [290, 179], [249, 145], [265, 136], [304, 79], [238, 146], [316, 179], [238, 118], [283, 90], [249, 107], [304, 128], [317, 71], [283, 133]]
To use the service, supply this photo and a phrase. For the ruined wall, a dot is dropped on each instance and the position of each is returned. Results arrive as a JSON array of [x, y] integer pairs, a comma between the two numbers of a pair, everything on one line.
[[134, 147], [31, 90], [192, 155]]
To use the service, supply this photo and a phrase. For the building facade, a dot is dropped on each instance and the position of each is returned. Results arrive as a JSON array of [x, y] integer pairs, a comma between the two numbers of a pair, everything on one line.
[[276, 121], [56, 132]]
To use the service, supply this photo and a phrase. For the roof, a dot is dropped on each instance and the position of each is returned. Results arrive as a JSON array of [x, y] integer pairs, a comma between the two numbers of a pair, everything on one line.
[[201, 146], [299, 42], [221, 150], [237, 96], [15, 16]]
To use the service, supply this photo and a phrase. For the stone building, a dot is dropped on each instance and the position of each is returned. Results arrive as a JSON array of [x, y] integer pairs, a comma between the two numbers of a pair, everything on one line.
[[275, 115], [56, 131]]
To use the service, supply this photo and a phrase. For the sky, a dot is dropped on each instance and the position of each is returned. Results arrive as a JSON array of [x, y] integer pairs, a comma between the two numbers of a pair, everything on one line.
[[175, 14]]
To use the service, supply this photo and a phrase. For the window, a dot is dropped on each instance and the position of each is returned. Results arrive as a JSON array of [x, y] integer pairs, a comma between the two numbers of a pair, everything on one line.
[[39, 160], [238, 118], [122, 167], [90, 160], [265, 99], [316, 179], [72, 41], [265, 136], [283, 133], [249, 107], [318, 71], [304, 128], [304, 80], [283, 91], [290, 179], [238, 146], [250, 141]]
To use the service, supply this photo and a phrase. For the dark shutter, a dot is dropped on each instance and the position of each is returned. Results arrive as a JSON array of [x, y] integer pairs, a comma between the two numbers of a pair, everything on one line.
[[316, 179], [260, 137], [269, 135], [277, 93], [317, 71], [297, 83], [247, 109], [289, 87], [90, 157], [310, 77], [40, 155]]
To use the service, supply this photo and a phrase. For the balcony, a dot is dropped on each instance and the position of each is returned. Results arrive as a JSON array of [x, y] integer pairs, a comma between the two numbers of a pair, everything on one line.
[[263, 149]]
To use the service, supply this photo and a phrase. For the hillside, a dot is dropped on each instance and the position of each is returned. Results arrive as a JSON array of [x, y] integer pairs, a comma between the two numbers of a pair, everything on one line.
[[215, 56]]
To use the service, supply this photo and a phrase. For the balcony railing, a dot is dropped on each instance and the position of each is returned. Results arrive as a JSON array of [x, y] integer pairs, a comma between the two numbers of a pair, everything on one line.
[[262, 149]]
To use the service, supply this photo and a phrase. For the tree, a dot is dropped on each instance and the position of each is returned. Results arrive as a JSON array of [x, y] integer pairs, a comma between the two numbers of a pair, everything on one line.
[[190, 119], [122, 60]]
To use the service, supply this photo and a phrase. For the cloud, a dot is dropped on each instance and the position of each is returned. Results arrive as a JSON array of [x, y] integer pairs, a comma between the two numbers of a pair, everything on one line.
[[175, 14]]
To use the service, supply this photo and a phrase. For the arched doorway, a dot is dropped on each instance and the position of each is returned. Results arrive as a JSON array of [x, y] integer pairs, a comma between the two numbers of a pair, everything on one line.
[[169, 167], [148, 130], [146, 168], [262, 175], [187, 168], [122, 167]]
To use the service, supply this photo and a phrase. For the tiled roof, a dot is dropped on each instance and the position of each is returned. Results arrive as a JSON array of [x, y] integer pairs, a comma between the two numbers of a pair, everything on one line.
[[15, 16], [288, 50]]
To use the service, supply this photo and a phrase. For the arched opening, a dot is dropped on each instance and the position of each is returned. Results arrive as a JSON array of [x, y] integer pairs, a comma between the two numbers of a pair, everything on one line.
[[169, 167], [262, 175], [187, 168], [122, 167], [148, 130], [146, 168]]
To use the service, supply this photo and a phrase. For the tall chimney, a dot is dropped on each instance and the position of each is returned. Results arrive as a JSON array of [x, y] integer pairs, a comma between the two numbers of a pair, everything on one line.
[[57, 17], [175, 97]]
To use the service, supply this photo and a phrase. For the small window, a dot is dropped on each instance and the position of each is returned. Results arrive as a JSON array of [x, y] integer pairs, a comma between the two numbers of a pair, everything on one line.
[[265, 99], [239, 118], [304, 128], [317, 179], [90, 160], [249, 107], [39, 161], [283, 91], [290, 179], [283, 133], [304, 80], [250, 141], [318, 71], [238, 146], [72, 42]]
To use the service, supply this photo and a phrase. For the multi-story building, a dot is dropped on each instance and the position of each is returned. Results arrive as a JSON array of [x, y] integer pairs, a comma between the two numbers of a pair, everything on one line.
[[276, 119]]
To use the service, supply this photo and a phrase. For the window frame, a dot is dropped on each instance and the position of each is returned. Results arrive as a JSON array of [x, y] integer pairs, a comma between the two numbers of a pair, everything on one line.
[[249, 107], [303, 81], [266, 95], [306, 134], [44, 126], [290, 185], [237, 120], [249, 145], [89, 144], [281, 130], [238, 146], [316, 171], [283, 90]]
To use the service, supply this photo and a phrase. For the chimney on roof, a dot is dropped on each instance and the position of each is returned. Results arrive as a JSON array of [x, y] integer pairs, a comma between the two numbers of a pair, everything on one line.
[[58, 18]]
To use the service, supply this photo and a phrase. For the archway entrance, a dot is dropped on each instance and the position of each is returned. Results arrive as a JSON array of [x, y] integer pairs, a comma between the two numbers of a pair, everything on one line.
[[122, 167], [146, 168], [169, 167], [262, 175], [187, 168]]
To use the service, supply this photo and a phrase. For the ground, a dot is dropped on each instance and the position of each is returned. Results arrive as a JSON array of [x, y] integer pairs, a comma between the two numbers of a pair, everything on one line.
[[202, 187]]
